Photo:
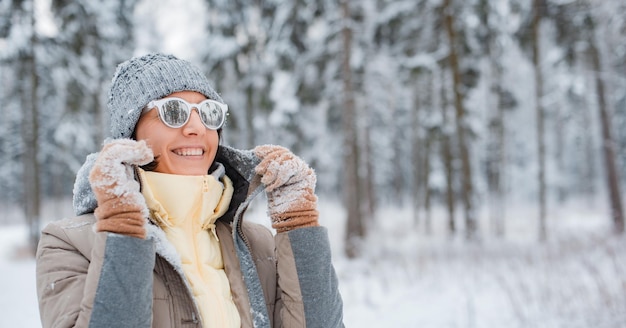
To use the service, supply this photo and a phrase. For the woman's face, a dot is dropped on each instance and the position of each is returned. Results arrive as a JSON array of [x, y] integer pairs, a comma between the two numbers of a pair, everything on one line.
[[188, 150]]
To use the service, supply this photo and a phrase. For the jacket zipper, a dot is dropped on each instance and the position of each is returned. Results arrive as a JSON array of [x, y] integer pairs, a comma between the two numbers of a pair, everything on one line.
[[240, 228], [138, 178], [241, 234], [205, 185]]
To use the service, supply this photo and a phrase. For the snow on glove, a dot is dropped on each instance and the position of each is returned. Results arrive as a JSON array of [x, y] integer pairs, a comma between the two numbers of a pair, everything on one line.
[[121, 206], [290, 186]]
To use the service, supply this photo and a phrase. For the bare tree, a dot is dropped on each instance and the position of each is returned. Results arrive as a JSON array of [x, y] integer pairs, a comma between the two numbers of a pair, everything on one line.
[[471, 224], [355, 229], [30, 133], [367, 180], [538, 6], [497, 101], [608, 143], [426, 172], [421, 141], [417, 152], [447, 157], [589, 170]]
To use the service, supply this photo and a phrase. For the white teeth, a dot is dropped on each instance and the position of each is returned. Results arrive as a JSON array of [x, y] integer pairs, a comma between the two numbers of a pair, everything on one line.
[[188, 152]]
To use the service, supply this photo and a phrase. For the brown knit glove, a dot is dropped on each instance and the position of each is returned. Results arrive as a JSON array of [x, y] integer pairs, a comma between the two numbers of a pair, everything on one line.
[[290, 186], [121, 206]]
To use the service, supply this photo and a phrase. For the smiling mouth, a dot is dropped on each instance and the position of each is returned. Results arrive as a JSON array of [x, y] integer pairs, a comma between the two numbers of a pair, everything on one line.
[[188, 152]]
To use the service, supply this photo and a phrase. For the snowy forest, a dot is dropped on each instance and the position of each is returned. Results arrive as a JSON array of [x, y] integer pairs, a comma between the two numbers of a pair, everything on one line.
[[440, 131]]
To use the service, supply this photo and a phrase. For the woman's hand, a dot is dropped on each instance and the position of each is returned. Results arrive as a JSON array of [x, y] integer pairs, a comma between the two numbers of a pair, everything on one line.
[[290, 187], [121, 206]]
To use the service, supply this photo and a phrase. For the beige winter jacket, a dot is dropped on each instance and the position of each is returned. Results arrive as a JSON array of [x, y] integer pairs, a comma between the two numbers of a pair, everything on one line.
[[80, 248], [88, 279]]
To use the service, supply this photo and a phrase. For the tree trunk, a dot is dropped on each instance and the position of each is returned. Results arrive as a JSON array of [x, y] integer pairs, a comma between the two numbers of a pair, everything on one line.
[[30, 137], [562, 190], [355, 229], [495, 164], [101, 125], [428, 226], [249, 141], [500, 190], [608, 144], [537, 12], [368, 177], [397, 178], [589, 171], [467, 194], [447, 158], [417, 153], [421, 141], [427, 144], [496, 126]]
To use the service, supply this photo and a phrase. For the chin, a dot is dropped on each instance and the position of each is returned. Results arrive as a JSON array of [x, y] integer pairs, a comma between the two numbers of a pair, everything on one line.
[[192, 171], [184, 169]]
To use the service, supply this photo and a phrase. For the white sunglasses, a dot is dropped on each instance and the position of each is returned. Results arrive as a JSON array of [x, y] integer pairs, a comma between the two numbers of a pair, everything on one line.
[[175, 112]]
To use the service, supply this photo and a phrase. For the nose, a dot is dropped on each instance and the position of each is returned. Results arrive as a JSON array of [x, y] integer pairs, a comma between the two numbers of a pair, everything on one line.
[[194, 126]]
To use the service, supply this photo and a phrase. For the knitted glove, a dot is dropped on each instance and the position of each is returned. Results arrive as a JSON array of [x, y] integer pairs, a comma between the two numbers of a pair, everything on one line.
[[121, 206], [290, 186]]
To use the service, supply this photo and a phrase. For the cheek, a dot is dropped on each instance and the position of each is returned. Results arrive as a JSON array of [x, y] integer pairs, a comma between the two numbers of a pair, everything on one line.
[[213, 141], [142, 129], [214, 137], [152, 134]]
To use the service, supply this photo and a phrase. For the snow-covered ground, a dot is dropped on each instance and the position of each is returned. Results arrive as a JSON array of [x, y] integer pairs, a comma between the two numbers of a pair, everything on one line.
[[407, 279], [18, 295]]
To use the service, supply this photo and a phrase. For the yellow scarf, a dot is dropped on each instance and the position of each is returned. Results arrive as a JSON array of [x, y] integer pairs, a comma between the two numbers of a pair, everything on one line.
[[186, 208]]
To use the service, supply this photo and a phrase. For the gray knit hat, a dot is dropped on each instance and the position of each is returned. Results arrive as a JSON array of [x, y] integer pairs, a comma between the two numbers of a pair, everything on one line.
[[140, 80]]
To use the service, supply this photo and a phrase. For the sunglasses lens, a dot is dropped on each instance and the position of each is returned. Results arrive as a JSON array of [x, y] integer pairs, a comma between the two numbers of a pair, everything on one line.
[[175, 113], [212, 115]]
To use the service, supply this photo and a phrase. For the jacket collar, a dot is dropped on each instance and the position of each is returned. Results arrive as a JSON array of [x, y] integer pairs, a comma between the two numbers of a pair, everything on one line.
[[239, 165]]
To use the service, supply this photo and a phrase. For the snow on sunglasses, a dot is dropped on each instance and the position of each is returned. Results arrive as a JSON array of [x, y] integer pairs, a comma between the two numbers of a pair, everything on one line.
[[175, 112]]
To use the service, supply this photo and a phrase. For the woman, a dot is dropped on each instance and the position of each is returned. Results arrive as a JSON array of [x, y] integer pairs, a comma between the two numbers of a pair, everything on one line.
[[160, 239]]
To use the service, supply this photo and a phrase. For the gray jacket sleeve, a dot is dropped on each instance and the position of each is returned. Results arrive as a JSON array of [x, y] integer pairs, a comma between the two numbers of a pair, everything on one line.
[[88, 279], [124, 290], [307, 279]]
